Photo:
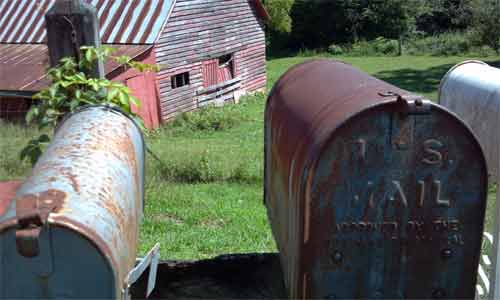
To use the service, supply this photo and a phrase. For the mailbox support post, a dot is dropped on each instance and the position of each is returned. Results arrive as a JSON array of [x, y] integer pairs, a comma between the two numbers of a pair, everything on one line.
[[70, 25]]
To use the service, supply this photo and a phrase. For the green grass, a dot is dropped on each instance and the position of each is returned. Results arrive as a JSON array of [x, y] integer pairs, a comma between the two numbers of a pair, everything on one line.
[[205, 196]]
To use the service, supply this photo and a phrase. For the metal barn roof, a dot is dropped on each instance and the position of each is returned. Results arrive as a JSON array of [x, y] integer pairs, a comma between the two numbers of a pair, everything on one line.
[[121, 21], [23, 67]]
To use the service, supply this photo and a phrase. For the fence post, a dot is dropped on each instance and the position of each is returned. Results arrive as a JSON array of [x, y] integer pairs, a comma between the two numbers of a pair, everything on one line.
[[70, 25]]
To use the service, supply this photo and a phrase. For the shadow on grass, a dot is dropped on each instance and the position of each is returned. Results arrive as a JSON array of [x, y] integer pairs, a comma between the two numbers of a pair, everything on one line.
[[420, 81]]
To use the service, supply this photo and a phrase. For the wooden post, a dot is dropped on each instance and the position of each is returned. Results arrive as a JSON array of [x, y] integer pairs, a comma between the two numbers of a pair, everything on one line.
[[70, 25]]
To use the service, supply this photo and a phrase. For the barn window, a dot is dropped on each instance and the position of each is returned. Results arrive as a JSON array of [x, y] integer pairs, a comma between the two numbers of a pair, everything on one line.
[[179, 80]]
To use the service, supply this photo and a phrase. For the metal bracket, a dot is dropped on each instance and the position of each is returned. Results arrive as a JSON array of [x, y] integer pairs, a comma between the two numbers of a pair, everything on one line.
[[413, 104], [150, 260]]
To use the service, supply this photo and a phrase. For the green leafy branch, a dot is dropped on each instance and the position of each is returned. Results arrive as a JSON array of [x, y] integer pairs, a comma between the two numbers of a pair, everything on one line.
[[72, 87]]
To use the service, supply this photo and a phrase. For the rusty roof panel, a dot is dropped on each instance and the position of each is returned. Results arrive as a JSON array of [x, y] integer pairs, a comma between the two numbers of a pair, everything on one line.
[[23, 67], [121, 21]]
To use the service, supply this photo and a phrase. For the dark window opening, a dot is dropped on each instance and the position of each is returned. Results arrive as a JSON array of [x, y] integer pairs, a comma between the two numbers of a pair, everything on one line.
[[179, 80], [226, 67], [225, 59], [226, 64]]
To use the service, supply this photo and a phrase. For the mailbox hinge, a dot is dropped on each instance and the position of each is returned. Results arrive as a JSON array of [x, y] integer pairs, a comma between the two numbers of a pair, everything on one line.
[[415, 105], [412, 104], [32, 212]]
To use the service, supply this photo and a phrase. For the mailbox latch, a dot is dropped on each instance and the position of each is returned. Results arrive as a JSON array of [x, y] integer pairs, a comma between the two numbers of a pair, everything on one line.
[[32, 212]]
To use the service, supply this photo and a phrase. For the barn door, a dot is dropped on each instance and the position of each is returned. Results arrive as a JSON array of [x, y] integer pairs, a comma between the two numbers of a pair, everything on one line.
[[145, 90], [219, 83], [210, 72]]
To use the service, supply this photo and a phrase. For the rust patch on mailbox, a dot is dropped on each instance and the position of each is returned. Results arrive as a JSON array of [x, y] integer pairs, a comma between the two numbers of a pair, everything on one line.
[[8, 191]]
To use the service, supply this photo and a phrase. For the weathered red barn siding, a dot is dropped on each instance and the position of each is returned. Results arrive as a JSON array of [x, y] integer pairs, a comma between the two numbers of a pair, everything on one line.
[[14, 108], [143, 85], [200, 30]]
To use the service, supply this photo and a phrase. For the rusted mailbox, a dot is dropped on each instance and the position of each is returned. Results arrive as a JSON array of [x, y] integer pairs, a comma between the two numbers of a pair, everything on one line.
[[72, 229], [371, 192]]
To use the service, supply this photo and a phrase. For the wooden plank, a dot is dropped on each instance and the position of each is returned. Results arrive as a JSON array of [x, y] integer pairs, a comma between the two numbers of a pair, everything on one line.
[[256, 85], [171, 105], [217, 86], [216, 94], [189, 13], [203, 26], [226, 13], [216, 100], [172, 94], [245, 31], [216, 30], [180, 108], [179, 103]]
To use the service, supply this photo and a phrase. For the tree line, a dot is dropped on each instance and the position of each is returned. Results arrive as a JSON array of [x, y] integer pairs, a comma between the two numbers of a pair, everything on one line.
[[317, 24]]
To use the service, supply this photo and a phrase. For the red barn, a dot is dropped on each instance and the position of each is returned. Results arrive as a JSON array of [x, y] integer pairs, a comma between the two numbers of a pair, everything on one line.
[[213, 51]]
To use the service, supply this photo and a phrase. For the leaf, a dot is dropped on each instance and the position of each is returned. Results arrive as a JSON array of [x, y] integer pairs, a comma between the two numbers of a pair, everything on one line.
[[135, 101], [122, 59], [88, 55], [112, 94], [123, 97], [74, 104], [33, 150], [52, 91], [32, 114], [44, 138], [35, 154]]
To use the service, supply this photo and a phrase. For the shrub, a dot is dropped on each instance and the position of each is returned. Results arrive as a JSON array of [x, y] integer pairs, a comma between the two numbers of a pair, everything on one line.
[[447, 44], [304, 52], [194, 168], [334, 49], [209, 118], [376, 47]]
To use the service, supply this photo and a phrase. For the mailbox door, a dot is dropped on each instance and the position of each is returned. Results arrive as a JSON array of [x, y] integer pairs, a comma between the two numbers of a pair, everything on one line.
[[397, 209], [69, 266]]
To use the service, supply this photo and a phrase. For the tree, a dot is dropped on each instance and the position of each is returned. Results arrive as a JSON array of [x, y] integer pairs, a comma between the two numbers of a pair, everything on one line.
[[486, 22], [437, 16], [279, 11], [317, 24]]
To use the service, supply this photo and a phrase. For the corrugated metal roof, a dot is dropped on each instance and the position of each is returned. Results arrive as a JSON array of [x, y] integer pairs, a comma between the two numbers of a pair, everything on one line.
[[121, 21], [23, 67]]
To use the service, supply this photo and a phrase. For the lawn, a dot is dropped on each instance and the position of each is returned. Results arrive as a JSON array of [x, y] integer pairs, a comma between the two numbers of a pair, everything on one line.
[[204, 195]]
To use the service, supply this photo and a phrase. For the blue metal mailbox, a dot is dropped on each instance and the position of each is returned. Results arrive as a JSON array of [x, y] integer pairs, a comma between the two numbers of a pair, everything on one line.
[[372, 192], [72, 230]]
